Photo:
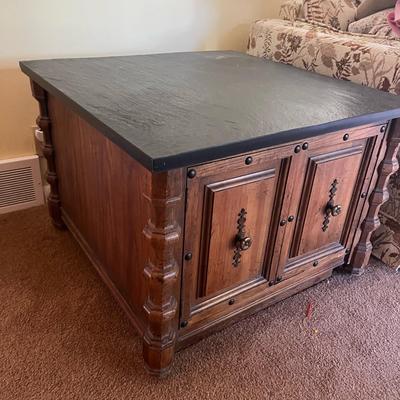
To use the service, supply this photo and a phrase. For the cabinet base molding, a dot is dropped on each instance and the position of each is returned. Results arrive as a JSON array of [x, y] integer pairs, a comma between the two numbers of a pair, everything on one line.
[[192, 337]]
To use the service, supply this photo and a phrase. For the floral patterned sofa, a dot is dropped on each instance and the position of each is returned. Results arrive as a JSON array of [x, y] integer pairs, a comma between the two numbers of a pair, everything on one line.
[[314, 35]]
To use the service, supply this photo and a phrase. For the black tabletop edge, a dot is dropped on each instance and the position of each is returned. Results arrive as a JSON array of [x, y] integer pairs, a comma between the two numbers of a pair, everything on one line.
[[125, 145], [279, 139], [213, 153]]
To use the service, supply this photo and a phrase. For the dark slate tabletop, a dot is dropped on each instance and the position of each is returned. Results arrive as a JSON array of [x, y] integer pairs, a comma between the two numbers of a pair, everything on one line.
[[175, 110]]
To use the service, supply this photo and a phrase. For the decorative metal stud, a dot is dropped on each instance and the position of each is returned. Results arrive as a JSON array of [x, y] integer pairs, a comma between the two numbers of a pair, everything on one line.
[[315, 263], [291, 218], [383, 128], [191, 173], [346, 137], [248, 160], [279, 279], [283, 222], [363, 195], [184, 324], [188, 256], [231, 302], [297, 149], [305, 146]]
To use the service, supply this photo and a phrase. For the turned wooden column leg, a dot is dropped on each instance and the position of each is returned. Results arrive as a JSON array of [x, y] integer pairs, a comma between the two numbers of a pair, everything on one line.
[[44, 123], [164, 234], [379, 196]]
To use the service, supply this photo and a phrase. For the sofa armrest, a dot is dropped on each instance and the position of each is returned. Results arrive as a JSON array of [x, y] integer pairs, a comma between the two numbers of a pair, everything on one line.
[[292, 9]]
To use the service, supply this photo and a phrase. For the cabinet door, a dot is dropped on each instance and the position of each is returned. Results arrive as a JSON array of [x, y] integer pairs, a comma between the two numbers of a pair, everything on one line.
[[324, 210], [231, 219], [234, 241]]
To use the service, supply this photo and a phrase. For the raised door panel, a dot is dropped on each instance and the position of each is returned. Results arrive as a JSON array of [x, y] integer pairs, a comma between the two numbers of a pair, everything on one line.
[[326, 206], [328, 181], [326, 190], [232, 213], [330, 184], [232, 208]]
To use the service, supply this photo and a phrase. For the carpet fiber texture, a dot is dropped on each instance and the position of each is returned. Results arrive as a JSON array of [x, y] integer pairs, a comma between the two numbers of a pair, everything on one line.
[[62, 335]]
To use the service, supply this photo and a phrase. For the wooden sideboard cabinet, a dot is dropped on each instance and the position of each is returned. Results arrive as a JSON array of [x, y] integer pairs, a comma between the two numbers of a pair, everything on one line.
[[206, 186]]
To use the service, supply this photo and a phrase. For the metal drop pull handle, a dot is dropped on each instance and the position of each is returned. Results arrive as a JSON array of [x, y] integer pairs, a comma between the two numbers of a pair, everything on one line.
[[243, 244], [242, 241], [333, 210]]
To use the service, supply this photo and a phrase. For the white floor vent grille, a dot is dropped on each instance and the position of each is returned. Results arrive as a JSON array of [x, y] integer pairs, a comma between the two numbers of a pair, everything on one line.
[[20, 184]]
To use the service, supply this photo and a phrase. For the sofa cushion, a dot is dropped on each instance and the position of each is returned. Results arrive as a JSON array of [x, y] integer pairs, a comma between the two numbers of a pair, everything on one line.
[[292, 9], [336, 13], [369, 7], [375, 24], [364, 59]]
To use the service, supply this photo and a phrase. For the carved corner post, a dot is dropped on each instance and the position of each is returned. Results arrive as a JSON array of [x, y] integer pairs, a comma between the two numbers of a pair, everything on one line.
[[44, 123], [379, 196], [165, 195]]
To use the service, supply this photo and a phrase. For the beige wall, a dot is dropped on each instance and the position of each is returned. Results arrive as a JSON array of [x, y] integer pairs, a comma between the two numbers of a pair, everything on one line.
[[51, 29]]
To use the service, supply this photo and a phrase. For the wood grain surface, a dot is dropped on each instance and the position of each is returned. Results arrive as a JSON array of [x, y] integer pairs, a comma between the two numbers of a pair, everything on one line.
[[102, 188]]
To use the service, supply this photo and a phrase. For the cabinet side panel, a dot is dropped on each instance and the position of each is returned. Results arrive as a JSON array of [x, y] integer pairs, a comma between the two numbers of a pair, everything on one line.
[[102, 188]]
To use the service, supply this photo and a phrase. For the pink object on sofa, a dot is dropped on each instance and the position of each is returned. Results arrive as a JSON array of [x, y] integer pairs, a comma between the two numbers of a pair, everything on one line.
[[394, 19]]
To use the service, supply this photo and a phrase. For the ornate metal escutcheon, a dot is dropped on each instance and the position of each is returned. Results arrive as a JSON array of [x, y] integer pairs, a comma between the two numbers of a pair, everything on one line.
[[242, 241], [331, 210]]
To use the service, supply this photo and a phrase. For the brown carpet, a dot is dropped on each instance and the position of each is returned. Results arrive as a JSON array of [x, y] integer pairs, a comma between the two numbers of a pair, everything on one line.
[[64, 337]]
